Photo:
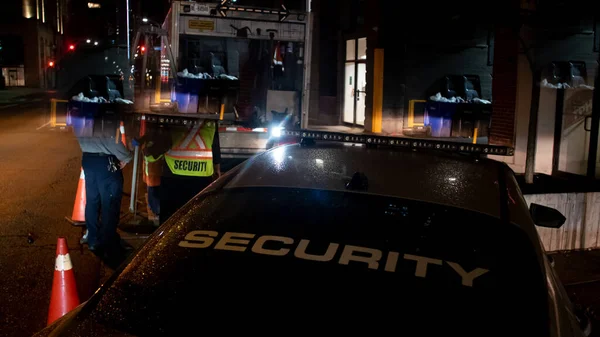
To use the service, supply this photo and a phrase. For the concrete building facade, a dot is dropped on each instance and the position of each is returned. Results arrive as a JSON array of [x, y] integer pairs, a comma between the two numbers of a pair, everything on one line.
[[31, 33]]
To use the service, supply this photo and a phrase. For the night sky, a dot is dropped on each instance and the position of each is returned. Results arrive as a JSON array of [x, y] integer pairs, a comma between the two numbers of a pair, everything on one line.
[[103, 21], [154, 9]]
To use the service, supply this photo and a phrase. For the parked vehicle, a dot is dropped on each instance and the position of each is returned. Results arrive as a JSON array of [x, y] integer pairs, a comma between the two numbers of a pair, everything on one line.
[[344, 234]]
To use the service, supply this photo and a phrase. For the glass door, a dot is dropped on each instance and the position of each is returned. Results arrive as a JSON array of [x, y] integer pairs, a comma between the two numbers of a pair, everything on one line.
[[361, 93], [349, 80], [355, 82]]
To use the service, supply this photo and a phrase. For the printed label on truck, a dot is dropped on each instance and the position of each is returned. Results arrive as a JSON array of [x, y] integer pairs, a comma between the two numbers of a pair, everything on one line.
[[201, 25]]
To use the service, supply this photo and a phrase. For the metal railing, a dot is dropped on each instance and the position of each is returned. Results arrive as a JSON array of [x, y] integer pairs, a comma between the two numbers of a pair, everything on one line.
[[53, 104]]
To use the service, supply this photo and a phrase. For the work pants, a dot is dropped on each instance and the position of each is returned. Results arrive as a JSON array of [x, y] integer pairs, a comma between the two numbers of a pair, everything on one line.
[[104, 191]]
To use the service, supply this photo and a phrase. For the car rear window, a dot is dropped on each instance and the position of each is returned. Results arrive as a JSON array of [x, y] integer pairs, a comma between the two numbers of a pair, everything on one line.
[[319, 259]]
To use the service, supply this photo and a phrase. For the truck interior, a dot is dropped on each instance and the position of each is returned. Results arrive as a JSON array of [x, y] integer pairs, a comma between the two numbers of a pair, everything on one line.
[[270, 73]]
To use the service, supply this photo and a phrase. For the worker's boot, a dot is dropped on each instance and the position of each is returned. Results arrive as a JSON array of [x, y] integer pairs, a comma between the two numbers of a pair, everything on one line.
[[84, 238]]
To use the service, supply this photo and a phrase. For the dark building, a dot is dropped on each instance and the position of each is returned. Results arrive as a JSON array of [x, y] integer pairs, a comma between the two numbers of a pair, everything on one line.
[[374, 59], [102, 21], [154, 10], [31, 33]]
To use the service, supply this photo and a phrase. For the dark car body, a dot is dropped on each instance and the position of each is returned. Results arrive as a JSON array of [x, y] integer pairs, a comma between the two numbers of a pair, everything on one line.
[[340, 239]]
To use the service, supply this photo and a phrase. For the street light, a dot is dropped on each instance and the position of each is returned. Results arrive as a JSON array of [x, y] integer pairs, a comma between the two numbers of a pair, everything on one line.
[[151, 22], [95, 43], [88, 41]]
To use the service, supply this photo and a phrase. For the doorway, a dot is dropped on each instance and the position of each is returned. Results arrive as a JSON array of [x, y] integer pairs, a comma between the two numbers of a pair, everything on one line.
[[355, 82]]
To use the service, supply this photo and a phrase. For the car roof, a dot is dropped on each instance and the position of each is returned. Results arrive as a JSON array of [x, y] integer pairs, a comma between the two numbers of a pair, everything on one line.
[[432, 176]]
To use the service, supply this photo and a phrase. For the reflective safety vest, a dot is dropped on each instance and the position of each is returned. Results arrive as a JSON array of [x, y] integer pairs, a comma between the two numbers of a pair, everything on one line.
[[152, 170], [192, 154]]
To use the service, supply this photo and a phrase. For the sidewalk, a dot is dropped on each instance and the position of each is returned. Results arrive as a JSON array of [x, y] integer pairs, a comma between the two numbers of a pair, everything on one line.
[[579, 272], [16, 94]]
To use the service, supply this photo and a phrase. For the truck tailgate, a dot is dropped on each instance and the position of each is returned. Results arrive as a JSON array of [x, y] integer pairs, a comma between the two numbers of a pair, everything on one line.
[[241, 142]]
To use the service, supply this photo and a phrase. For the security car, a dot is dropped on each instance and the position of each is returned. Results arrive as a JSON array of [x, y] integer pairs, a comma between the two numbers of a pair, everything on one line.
[[343, 235]]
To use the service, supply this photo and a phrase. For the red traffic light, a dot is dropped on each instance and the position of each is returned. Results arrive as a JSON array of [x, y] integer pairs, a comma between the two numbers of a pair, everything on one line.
[[143, 48], [51, 64], [72, 47]]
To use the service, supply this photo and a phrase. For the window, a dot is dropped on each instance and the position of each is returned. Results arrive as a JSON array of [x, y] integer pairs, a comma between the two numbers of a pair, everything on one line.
[[14, 77]]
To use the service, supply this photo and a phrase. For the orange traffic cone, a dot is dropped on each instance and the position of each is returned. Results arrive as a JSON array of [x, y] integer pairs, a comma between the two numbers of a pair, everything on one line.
[[78, 217], [64, 296]]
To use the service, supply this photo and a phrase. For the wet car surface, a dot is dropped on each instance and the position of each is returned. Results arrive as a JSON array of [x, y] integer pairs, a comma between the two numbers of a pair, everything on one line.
[[345, 239]]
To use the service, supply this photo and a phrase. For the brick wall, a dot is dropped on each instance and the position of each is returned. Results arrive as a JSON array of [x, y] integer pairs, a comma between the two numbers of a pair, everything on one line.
[[506, 53]]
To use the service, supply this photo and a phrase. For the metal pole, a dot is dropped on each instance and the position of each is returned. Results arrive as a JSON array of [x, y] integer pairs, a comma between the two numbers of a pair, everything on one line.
[[128, 41], [307, 70], [144, 65], [133, 198], [533, 127]]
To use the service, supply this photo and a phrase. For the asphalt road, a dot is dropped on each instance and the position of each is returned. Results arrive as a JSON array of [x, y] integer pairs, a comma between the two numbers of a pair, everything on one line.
[[39, 173]]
